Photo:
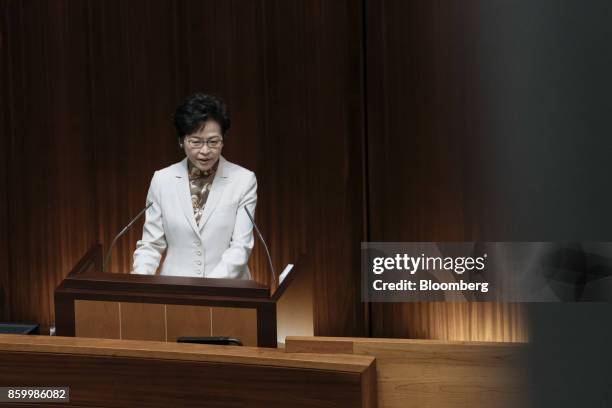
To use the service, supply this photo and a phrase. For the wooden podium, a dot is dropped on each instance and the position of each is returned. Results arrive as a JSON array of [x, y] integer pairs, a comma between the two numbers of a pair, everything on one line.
[[89, 303]]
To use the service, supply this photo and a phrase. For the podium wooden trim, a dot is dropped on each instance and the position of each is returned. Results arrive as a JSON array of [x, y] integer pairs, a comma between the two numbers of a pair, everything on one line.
[[87, 282]]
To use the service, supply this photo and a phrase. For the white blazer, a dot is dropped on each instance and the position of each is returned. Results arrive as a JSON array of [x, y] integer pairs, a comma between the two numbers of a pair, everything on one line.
[[220, 246]]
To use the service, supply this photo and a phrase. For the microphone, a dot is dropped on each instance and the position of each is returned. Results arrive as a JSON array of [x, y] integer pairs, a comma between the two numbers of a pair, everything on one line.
[[264, 244], [123, 231]]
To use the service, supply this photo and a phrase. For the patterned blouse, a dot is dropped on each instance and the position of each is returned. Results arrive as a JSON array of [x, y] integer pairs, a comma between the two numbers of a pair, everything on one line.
[[200, 183]]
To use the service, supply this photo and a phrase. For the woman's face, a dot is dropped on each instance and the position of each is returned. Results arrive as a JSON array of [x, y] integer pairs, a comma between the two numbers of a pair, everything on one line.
[[203, 147]]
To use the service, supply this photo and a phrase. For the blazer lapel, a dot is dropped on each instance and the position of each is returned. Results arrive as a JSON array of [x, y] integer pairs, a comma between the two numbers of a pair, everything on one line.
[[184, 194], [216, 192]]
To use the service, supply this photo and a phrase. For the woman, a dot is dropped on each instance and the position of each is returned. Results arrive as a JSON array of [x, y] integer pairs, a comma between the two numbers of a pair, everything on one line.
[[198, 205]]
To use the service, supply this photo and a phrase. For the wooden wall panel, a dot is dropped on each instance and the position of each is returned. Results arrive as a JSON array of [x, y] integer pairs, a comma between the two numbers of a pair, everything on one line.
[[315, 129], [133, 85], [5, 84], [109, 373], [426, 163], [432, 373], [51, 177]]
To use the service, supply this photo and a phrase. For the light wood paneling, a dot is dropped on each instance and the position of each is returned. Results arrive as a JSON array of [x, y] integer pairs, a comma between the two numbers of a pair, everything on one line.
[[239, 323], [335, 345], [186, 375], [432, 374], [187, 321], [448, 375], [96, 319], [182, 351], [142, 321]]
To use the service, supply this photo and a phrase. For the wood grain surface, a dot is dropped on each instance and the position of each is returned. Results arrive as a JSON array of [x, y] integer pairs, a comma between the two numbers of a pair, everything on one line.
[[191, 321], [181, 351], [161, 322], [143, 321], [122, 373], [432, 374], [97, 319], [234, 322]]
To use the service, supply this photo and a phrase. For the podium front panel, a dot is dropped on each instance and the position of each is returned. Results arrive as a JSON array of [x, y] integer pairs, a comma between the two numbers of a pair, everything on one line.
[[162, 322], [238, 323], [187, 321], [142, 321], [97, 319]]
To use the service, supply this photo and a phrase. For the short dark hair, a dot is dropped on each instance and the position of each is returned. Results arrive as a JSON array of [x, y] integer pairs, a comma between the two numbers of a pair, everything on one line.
[[196, 110]]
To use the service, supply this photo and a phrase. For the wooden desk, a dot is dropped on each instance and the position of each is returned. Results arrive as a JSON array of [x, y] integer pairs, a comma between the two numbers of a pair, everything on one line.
[[433, 373], [128, 373]]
